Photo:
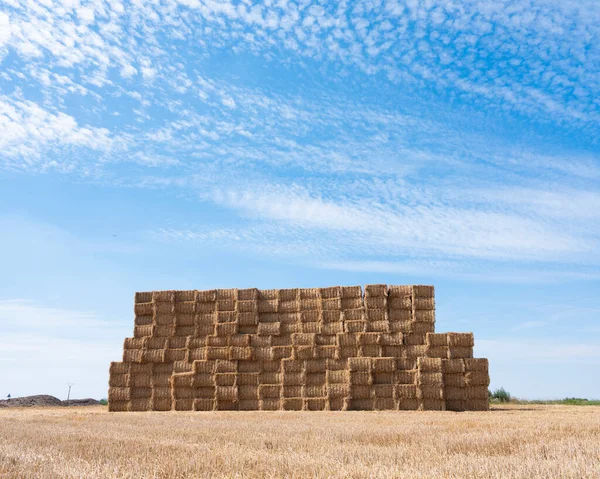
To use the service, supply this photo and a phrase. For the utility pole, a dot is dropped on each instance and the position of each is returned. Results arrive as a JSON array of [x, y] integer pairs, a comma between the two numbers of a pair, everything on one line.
[[70, 386]]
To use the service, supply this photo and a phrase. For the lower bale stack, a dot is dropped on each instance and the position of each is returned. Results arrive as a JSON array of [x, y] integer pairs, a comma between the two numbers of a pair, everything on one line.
[[313, 349]]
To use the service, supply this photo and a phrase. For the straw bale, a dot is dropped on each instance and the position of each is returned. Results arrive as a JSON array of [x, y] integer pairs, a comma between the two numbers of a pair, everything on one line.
[[133, 355], [182, 367], [226, 317], [400, 315], [310, 316], [332, 328], [398, 291], [352, 303], [205, 308], [118, 380], [292, 366], [383, 390], [437, 352], [385, 404], [415, 351], [292, 294], [326, 340], [362, 404], [240, 353], [204, 404], [374, 290], [311, 328], [427, 304], [268, 317], [291, 328], [331, 304], [161, 393], [226, 366], [400, 326], [208, 296], [143, 331], [291, 306], [176, 342], [476, 364], [369, 338], [349, 351], [270, 366], [249, 367], [269, 329], [461, 340], [315, 365], [293, 378], [217, 341], [119, 394], [262, 354], [383, 377], [143, 309], [376, 302], [404, 377], [331, 316], [453, 366], [455, 405], [226, 305], [379, 326], [303, 339], [429, 364], [455, 380], [183, 404], [185, 307], [460, 353], [155, 343], [185, 296], [310, 305], [359, 364], [361, 378], [405, 391], [141, 368], [374, 315], [182, 380], [163, 296], [392, 351], [437, 339], [477, 378], [248, 330], [424, 316], [248, 392], [171, 355], [227, 294], [453, 393], [292, 404], [269, 391], [477, 405], [350, 292], [338, 390], [247, 294], [267, 377], [355, 326], [198, 354], [384, 364], [309, 293], [426, 378], [226, 329], [162, 368], [247, 379], [416, 339], [315, 390], [419, 327], [224, 379], [289, 318], [337, 403], [226, 393], [423, 291], [226, 405], [316, 378], [166, 310], [292, 391], [315, 404], [134, 343], [162, 380], [248, 405], [337, 377], [270, 404], [260, 341], [208, 318], [408, 404], [404, 303], [141, 393], [357, 314], [143, 320], [140, 405], [165, 331], [390, 339], [268, 294], [118, 406], [182, 332], [331, 292], [143, 297], [214, 352], [371, 350], [405, 363], [430, 392], [431, 404], [247, 306], [348, 339], [282, 352], [141, 380]]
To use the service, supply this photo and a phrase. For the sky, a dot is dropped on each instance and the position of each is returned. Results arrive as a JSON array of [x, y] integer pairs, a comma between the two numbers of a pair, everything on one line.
[[188, 144]]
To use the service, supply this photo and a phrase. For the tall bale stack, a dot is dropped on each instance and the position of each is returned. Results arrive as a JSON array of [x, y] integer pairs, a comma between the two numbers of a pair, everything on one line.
[[312, 349]]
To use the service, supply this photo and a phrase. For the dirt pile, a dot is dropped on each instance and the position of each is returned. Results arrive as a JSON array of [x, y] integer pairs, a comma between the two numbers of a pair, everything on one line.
[[45, 400]]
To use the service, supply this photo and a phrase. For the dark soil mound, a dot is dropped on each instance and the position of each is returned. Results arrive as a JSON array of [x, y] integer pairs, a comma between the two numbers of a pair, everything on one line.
[[45, 400]]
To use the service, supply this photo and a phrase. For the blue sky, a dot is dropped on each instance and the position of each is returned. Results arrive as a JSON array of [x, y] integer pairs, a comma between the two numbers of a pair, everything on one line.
[[196, 144]]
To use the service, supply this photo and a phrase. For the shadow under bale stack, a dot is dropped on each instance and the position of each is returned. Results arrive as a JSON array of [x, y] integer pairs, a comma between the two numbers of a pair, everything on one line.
[[310, 349]]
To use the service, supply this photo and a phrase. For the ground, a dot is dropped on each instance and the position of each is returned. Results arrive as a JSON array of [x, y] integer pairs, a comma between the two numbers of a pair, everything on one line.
[[507, 442]]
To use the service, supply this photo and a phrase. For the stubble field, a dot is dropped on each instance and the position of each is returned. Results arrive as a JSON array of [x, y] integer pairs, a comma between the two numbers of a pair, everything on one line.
[[507, 442]]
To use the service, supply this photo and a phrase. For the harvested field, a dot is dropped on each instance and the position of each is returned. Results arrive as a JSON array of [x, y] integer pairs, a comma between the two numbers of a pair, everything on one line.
[[507, 442]]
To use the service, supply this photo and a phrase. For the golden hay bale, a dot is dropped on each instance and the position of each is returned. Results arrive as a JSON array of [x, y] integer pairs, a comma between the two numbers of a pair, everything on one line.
[[326, 340], [423, 291], [384, 364], [144, 297], [405, 391], [143, 320], [427, 304], [405, 377], [310, 293], [294, 378], [455, 405], [390, 339], [268, 294], [477, 378], [310, 316], [452, 393], [385, 404], [292, 365], [355, 326], [247, 379], [376, 302], [316, 378], [249, 330], [269, 329], [338, 390], [289, 294], [382, 326], [419, 327], [182, 380], [292, 391], [143, 331], [119, 368], [161, 393], [262, 354], [370, 350], [453, 366], [268, 305], [164, 331], [454, 380], [289, 318], [197, 354], [349, 352], [226, 393], [292, 404], [140, 380], [361, 378], [436, 339], [332, 328], [327, 352], [141, 393], [247, 306], [337, 376], [177, 343], [461, 340], [331, 292], [416, 339], [376, 315], [196, 342], [315, 365], [268, 377], [208, 296], [227, 294], [172, 355], [430, 392], [383, 390], [182, 367], [291, 328], [348, 339], [225, 366], [440, 352], [118, 406], [140, 405], [204, 404], [392, 351], [310, 305], [415, 351], [398, 291], [351, 292], [424, 316], [118, 380], [166, 309], [292, 306], [314, 390], [352, 303], [119, 394], [226, 329], [240, 353], [310, 328], [405, 363], [477, 405], [332, 304], [184, 404], [185, 296], [430, 404], [270, 404], [429, 364], [249, 367], [182, 332], [337, 404], [426, 378], [213, 352], [408, 404], [247, 294], [248, 392], [248, 405], [143, 309], [226, 305], [133, 355], [477, 392], [400, 304], [185, 307], [270, 366], [303, 339], [239, 340], [374, 290], [359, 364], [226, 405], [476, 364], [226, 317], [260, 341], [206, 308], [331, 316], [162, 380], [163, 296], [361, 404], [354, 315], [460, 353], [269, 391], [225, 379]]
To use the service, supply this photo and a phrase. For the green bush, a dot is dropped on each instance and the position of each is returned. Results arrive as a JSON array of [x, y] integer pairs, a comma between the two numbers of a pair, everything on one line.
[[104, 402], [500, 395]]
